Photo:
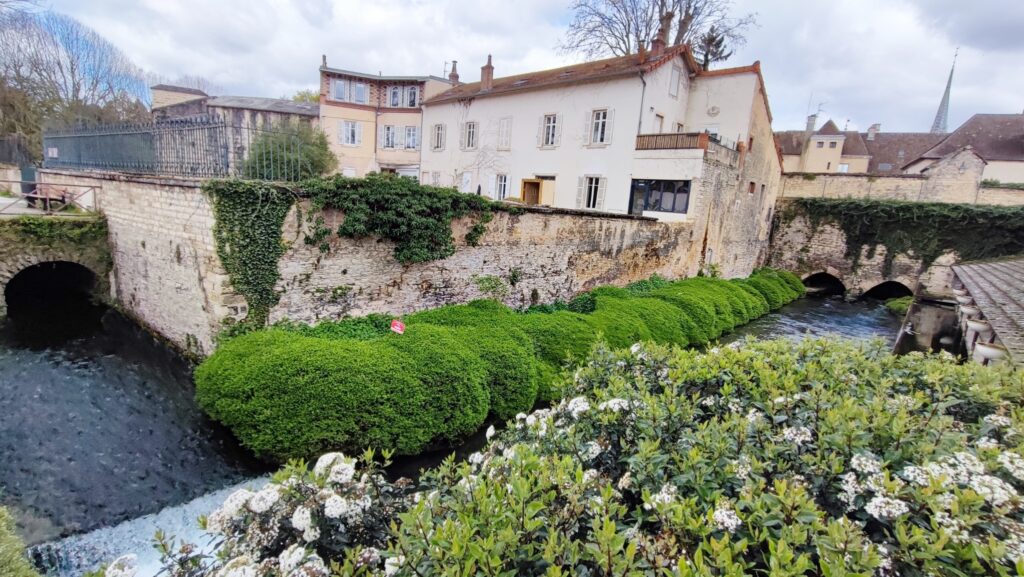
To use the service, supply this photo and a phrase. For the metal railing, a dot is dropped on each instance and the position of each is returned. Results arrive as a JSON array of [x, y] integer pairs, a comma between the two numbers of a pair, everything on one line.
[[196, 147], [43, 198]]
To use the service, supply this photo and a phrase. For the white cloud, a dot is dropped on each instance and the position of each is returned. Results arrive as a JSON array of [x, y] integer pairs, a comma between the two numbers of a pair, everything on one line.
[[867, 60]]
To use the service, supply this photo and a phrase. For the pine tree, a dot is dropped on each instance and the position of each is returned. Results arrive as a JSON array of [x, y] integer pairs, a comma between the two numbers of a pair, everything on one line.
[[710, 48]]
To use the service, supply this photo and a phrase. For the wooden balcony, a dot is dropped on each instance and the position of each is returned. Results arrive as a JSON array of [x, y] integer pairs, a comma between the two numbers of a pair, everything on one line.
[[672, 141]]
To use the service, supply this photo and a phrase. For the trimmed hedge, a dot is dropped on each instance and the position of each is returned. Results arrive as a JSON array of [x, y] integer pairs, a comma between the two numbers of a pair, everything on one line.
[[295, 390]]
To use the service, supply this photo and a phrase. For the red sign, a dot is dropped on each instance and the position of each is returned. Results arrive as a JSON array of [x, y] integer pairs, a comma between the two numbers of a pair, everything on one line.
[[398, 326]]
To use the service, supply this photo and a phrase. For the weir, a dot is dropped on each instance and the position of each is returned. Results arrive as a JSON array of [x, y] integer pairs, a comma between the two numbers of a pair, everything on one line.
[[991, 306]]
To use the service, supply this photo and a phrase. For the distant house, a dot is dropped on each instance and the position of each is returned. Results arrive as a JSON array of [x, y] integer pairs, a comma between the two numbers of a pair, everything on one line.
[[998, 139], [374, 122], [175, 102]]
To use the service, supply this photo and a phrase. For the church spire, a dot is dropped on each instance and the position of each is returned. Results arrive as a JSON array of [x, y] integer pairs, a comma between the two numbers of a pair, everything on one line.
[[942, 115]]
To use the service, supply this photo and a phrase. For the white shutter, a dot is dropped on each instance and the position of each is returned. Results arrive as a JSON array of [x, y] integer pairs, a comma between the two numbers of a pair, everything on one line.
[[601, 186], [540, 131], [558, 129], [581, 192], [609, 124], [588, 127], [359, 133], [381, 136], [341, 131], [400, 137], [491, 186], [444, 136], [462, 136]]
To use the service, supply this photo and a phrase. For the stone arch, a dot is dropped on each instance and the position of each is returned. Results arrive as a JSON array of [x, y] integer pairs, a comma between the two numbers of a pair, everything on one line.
[[824, 283], [887, 290], [15, 264]]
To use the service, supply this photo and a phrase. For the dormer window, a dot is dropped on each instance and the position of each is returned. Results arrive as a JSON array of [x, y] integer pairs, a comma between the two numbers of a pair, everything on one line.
[[396, 97]]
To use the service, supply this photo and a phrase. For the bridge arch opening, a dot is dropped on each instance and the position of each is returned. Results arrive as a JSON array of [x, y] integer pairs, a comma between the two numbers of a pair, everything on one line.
[[52, 301], [889, 289], [824, 284]]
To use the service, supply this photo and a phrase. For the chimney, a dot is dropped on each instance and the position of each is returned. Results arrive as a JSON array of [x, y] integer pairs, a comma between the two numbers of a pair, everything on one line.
[[641, 51], [323, 60], [811, 121], [873, 130], [453, 76], [487, 75], [657, 45]]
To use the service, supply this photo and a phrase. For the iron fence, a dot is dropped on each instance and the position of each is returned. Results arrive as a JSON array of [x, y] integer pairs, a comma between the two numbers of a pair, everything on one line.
[[196, 147]]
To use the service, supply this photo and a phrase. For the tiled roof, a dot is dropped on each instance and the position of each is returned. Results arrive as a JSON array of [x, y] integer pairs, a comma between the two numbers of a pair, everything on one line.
[[266, 104], [854, 144], [897, 149], [993, 136], [182, 89], [998, 289], [790, 141], [608, 68], [829, 129]]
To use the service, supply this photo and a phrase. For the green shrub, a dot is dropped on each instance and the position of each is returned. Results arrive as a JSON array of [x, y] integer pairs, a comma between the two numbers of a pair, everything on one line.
[[757, 303], [702, 326], [293, 151], [583, 303], [642, 287], [13, 562], [474, 313], [511, 364], [360, 328], [557, 338], [616, 321], [899, 306]]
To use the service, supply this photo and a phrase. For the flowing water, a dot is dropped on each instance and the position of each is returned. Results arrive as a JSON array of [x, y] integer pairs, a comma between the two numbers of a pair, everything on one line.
[[100, 427]]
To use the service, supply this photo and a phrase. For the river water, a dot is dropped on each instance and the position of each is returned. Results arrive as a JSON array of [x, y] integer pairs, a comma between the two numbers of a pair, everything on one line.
[[101, 440]]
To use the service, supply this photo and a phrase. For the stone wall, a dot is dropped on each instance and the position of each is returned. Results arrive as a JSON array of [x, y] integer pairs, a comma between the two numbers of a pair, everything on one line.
[[166, 271], [550, 253], [798, 246], [9, 173]]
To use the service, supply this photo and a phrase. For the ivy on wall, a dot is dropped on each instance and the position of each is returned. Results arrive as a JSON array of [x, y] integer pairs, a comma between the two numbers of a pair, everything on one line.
[[51, 230], [920, 229], [248, 216], [416, 217]]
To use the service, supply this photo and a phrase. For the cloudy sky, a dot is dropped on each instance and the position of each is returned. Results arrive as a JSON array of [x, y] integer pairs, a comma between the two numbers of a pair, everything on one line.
[[861, 61]]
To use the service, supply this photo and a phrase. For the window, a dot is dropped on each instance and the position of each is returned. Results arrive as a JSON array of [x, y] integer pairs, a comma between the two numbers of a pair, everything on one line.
[[885, 166], [438, 143], [659, 123], [750, 143], [673, 82], [549, 134], [505, 134], [412, 137], [762, 192], [828, 166], [599, 133], [360, 93], [351, 133], [844, 167], [501, 186], [396, 97], [832, 144], [389, 137], [467, 182], [348, 172], [341, 89], [469, 136], [412, 96], [425, 177], [820, 144], [659, 196], [591, 192], [751, 187], [435, 178]]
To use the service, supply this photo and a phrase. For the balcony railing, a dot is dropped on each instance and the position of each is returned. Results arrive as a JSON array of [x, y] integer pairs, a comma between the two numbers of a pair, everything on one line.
[[672, 141]]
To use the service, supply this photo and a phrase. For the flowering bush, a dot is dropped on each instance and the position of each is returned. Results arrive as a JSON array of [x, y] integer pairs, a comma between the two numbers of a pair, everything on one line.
[[819, 458]]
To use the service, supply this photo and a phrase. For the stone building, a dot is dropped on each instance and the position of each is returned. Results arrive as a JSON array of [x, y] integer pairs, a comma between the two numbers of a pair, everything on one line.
[[172, 102]]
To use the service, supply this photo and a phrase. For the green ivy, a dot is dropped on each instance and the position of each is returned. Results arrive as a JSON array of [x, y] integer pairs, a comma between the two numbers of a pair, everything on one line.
[[923, 230], [248, 216], [416, 217], [50, 230]]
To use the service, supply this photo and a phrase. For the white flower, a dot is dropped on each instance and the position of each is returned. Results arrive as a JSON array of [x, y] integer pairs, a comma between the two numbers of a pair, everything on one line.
[[311, 534], [614, 405], [998, 421], [725, 517], [663, 497], [1013, 463], [709, 401], [734, 406], [754, 416], [302, 518], [796, 435], [325, 462], [291, 558], [238, 567], [235, 503], [636, 348], [954, 527], [985, 443], [335, 507], [625, 481], [589, 476], [123, 566], [476, 458], [916, 475], [742, 466], [368, 557], [851, 488], [899, 402], [393, 564], [490, 432], [578, 406], [865, 463], [264, 499], [781, 400], [995, 490], [591, 451], [884, 508]]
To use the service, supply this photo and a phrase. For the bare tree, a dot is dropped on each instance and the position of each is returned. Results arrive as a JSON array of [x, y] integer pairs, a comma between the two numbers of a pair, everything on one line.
[[186, 81], [64, 65], [8, 6], [619, 27]]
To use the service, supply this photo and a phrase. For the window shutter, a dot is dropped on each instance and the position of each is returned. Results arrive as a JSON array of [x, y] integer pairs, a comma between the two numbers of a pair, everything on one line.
[[601, 186], [341, 131], [491, 186], [588, 127], [609, 124], [558, 129], [444, 136], [540, 131], [381, 136], [359, 133], [581, 192], [462, 136], [399, 138]]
